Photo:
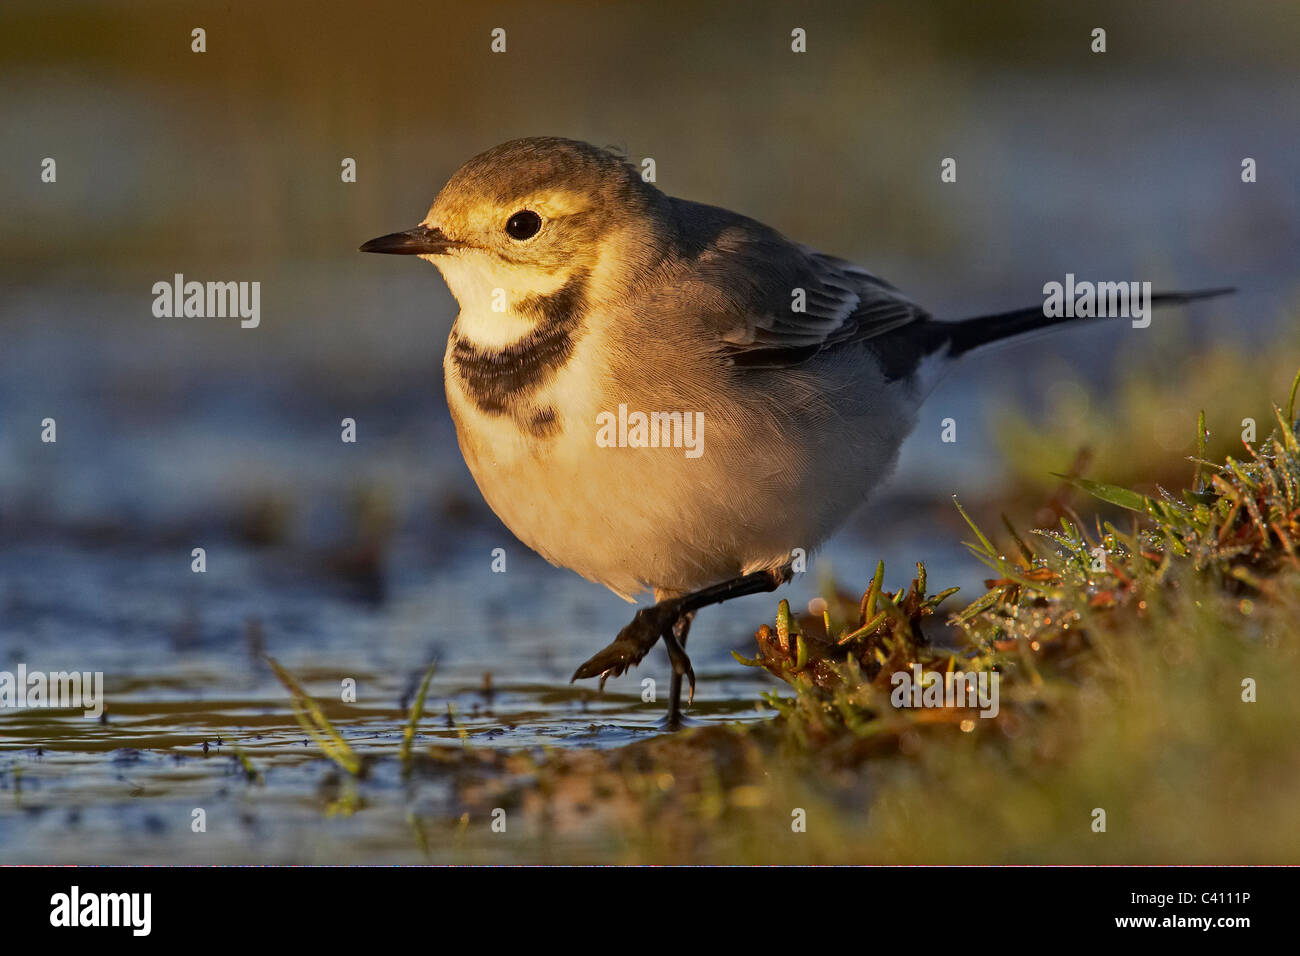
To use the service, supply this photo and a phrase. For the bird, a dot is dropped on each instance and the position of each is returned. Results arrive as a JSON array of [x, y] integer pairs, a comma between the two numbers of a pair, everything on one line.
[[589, 297]]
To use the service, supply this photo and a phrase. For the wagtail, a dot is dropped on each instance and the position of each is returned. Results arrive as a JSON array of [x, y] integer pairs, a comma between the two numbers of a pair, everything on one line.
[[664, 395]]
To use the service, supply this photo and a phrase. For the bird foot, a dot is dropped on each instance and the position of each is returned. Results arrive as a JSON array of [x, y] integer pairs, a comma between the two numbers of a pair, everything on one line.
[[648, 627]]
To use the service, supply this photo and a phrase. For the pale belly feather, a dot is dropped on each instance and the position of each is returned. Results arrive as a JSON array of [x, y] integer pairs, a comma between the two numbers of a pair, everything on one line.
[[637, 518]]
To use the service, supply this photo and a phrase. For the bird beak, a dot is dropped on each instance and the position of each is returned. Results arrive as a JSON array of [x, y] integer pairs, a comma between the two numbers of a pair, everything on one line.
[[420, 241]]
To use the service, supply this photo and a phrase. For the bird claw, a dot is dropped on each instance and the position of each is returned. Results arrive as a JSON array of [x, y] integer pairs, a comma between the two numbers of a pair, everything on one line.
[[611, 662], [634, 642]]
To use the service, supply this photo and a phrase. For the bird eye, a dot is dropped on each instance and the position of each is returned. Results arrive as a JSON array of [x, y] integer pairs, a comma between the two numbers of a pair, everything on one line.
[[523, 225]]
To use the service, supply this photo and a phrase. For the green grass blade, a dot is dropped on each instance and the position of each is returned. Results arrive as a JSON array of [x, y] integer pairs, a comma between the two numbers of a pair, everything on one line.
[[1113, 494], [1200, 449], [988, 546], [417, 711], [316, 724], [1288, 432], [1290, 404]]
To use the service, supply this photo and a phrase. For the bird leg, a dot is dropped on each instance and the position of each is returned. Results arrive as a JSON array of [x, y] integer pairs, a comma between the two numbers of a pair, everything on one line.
[[664, 620], [675, 641]]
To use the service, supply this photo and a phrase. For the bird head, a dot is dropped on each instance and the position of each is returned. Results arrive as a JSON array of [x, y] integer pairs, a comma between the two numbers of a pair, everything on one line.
[[522, 219]]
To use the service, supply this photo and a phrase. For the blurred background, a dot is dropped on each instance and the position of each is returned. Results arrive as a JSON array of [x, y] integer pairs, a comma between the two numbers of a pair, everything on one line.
[[369, 558]]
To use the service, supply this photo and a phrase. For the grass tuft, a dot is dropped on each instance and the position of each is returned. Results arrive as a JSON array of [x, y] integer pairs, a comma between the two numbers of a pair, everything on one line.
[[1059, 600]]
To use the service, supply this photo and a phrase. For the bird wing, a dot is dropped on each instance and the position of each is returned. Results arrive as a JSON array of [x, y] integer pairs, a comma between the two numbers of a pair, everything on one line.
[[771, 303]]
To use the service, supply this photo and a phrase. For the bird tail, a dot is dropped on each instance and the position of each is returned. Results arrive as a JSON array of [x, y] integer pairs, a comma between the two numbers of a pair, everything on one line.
[[969, 334]]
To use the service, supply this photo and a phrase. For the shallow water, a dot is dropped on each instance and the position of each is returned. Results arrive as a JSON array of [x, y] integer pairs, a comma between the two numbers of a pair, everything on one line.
[[185, 685]]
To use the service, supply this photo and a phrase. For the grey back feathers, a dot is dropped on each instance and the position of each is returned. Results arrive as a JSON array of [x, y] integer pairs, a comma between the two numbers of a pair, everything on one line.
[[773, 303]]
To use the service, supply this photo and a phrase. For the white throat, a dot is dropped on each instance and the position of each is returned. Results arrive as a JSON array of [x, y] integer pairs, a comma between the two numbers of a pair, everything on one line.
[[488, 293]]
